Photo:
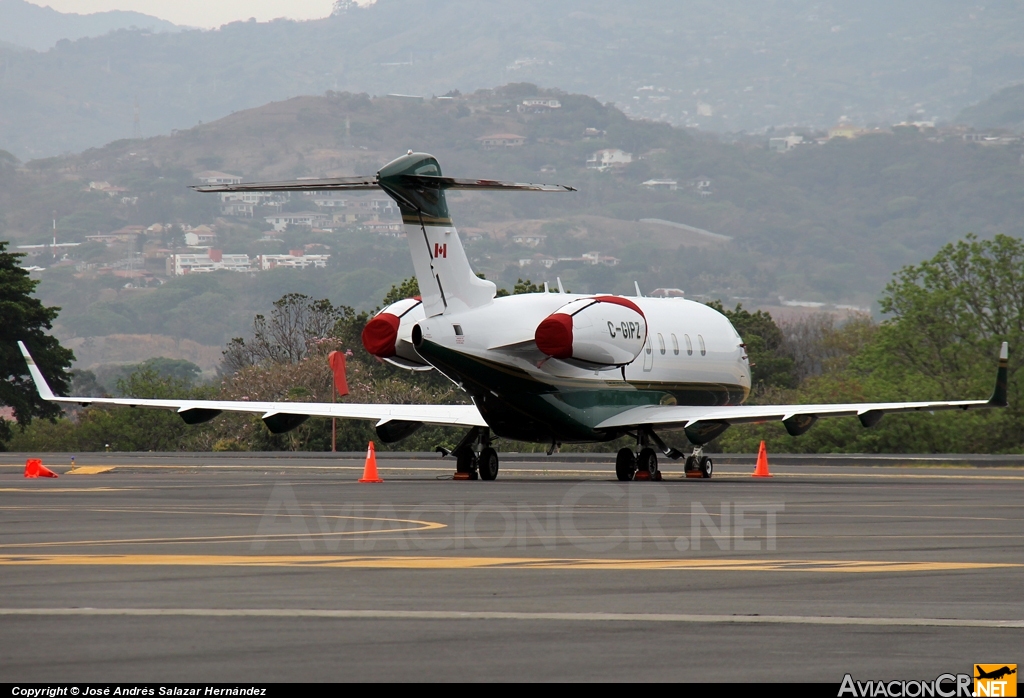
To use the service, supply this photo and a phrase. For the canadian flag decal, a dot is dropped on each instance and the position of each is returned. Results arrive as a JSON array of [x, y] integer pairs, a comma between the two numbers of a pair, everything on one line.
[[440, 250]]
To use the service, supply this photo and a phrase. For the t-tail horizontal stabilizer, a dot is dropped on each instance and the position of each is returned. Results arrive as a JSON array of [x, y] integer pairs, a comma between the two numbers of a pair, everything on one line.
[[446, 280]]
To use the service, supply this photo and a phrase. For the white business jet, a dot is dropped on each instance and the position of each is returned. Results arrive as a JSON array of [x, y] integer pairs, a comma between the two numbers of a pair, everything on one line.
[[544, 367]]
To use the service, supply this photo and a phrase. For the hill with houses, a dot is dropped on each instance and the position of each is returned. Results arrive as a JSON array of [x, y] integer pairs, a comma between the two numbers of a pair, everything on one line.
[[818, 220]]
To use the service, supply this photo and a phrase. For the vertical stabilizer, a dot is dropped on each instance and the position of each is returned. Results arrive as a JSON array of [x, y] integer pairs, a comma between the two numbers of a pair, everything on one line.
[[447, 282]]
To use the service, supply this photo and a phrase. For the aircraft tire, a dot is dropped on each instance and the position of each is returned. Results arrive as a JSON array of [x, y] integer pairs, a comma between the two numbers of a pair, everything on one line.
[[648, 460], [625, 464], [488, 464], [707, 468]]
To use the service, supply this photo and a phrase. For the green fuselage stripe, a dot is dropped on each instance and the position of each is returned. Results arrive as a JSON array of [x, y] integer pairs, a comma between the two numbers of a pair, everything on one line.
[[518, 405]]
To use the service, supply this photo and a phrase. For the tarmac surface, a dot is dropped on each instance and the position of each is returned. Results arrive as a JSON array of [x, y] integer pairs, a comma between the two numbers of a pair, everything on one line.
[[250, 568]]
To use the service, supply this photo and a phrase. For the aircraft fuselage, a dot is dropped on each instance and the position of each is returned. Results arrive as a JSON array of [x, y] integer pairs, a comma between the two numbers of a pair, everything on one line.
[[692, 355]]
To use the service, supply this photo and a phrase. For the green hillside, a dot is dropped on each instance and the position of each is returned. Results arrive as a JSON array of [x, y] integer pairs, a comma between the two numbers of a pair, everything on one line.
[[827, 223], [1003, 110]]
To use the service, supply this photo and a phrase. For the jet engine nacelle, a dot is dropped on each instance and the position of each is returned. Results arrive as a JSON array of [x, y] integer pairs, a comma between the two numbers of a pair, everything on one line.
[[388, 335], [599, 333]]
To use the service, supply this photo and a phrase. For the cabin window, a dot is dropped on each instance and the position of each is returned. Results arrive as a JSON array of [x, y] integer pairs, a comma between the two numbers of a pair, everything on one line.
[[661, 343], [689, 345], [675, 344], [703, 349]]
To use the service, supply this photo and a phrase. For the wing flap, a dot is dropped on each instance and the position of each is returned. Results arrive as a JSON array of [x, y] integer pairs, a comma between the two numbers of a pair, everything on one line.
[[680, 417]]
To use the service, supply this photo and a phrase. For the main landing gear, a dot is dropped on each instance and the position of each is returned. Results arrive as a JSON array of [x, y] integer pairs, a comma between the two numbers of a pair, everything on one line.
[[642, 463], [637, 466], [474, 457]]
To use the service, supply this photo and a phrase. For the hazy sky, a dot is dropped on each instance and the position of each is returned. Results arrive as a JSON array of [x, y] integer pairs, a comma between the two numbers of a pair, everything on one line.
[[202, 13]]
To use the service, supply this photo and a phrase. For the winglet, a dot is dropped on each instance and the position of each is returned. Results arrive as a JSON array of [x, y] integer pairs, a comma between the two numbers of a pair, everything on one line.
[[998, 398], [37, 375]]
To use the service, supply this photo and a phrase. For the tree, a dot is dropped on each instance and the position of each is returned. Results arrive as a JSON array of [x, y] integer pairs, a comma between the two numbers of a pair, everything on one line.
[[25, 318], [101, 427], [819, 345], [177, 369], [296, 324], [409, 288], [522, 287], [948, 316]]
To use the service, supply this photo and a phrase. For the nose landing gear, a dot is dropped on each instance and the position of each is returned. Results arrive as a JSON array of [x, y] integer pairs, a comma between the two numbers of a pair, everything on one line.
[[474, 457], [699, 465]]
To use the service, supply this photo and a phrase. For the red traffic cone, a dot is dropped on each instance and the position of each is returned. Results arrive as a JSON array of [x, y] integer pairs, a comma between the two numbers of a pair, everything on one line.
[[370, 469], [34, 468], [762, 463]]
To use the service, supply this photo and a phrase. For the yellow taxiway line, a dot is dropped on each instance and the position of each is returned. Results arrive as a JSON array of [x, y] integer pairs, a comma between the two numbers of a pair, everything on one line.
[[410, 562]]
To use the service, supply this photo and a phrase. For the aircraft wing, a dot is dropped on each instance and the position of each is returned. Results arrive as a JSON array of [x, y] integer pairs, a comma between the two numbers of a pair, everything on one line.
[[278, 416], [701, 421]]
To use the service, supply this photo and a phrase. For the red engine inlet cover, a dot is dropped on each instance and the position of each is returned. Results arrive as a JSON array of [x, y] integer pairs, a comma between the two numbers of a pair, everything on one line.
[[554, 336], [594, 333], [381, 334]]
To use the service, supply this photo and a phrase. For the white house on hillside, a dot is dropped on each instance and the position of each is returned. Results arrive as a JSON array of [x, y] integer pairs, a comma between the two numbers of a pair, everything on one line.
[[607, 158]]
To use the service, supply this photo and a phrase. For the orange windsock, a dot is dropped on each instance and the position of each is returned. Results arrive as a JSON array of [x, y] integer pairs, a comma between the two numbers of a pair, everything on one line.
[[336, 359], [370, 469], [762, 463]]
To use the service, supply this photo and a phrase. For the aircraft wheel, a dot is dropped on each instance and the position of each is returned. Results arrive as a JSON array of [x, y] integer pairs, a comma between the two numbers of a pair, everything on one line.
[[625, 464], [690, 464], [648, 460], [488, 464], [707, 468]]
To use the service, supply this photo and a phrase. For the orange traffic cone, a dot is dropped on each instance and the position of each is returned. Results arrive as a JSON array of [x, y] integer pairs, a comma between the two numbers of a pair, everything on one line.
[[370, 469], [34, 468], [762, 463]]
